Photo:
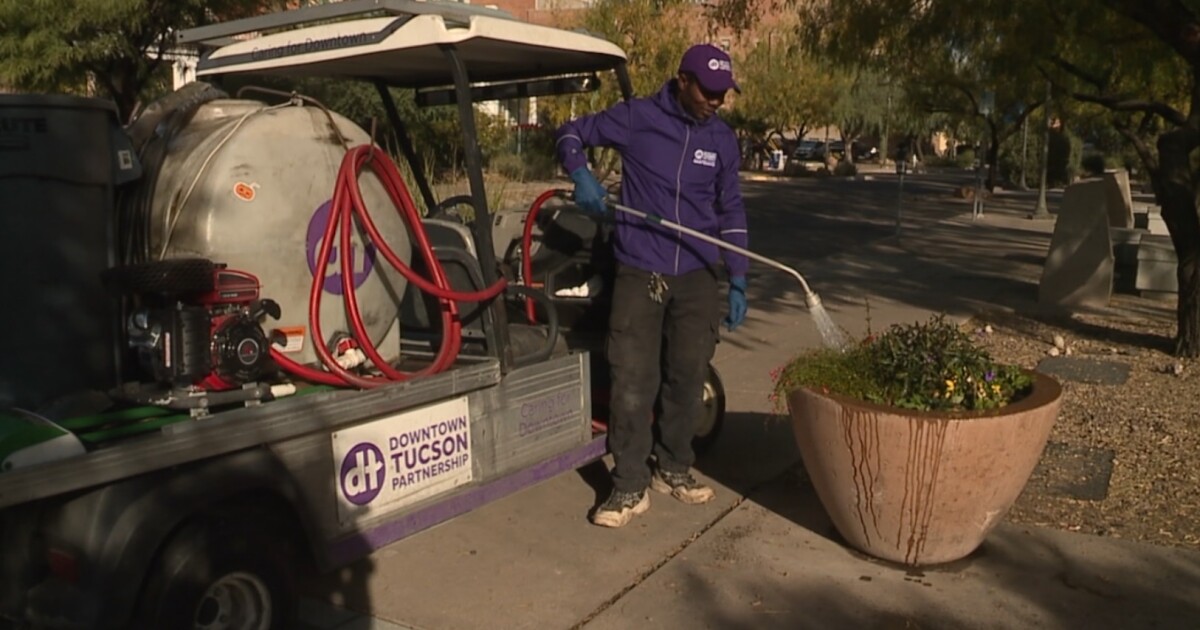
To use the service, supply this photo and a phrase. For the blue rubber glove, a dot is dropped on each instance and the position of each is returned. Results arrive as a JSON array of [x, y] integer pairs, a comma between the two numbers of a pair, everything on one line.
[[589, 194], [737, 302]]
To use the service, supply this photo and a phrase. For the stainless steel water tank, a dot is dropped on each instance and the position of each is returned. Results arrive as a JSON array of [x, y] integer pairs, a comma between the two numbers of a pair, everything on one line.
[[60, 158], [250, 186]]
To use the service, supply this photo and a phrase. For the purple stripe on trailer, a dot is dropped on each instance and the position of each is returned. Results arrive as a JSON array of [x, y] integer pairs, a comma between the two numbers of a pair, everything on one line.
[[362, 543]]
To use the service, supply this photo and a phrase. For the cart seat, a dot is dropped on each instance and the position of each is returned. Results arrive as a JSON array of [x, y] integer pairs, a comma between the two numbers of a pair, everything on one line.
[[420, 319]]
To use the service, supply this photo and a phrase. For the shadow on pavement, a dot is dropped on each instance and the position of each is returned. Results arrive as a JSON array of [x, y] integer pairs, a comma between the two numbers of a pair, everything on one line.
[[767, 578], [334, 595]]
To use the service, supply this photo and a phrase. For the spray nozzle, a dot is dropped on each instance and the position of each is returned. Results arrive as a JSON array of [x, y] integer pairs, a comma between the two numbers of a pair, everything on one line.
[[812, 300]]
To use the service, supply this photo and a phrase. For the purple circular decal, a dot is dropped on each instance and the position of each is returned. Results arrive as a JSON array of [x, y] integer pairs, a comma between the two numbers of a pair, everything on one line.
[[362, 474], [333, 280]]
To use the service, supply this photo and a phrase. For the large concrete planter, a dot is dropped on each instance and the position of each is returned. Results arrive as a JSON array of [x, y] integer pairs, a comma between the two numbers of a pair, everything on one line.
[[920, 488]]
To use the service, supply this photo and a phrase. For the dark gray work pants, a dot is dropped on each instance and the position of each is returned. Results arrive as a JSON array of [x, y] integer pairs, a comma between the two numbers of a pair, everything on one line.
[[658, 351]]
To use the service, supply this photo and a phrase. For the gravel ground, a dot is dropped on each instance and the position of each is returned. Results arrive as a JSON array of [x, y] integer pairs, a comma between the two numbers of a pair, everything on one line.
[[1121, 461]]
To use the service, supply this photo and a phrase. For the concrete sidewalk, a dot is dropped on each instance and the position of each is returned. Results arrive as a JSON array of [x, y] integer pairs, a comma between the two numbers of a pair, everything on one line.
[[775, 562], [764, 555]]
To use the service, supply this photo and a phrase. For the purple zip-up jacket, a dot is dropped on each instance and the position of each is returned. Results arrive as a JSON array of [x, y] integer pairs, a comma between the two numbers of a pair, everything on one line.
[[674, 166]]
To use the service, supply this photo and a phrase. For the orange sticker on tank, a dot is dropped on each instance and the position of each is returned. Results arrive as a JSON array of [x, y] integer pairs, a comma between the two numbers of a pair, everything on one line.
[[289, 338], [244, 191]]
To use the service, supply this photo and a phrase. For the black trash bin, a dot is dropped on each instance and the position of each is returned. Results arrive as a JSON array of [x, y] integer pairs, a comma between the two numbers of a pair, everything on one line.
[[61, 158]]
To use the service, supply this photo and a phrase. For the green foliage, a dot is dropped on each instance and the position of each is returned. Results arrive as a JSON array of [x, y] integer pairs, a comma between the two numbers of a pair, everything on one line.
[[508, 165], [653, 33], [784, 89], [526, 166], [529, 157], [1104, 148], [946, 56], [1009, 162], [1138, 60], [932, 366], [61, 45], [1066, 151], [1093, 164], [830, 370], [652, 51], [963, 158]]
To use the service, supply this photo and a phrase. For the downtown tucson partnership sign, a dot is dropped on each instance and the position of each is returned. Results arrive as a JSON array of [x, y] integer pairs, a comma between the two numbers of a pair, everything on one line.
[[401, 459]]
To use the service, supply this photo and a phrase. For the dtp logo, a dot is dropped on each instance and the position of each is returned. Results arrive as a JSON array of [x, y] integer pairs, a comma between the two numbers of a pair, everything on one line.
[[720, 64], [362, 475]]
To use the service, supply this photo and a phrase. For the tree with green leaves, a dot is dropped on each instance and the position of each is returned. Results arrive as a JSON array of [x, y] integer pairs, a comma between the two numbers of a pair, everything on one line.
[[119, 46], [654, 35], [783, 90], [951, 59], [1139, 59]]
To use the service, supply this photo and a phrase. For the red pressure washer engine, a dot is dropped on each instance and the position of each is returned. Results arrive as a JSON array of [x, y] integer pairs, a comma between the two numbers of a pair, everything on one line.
[[195, 327]]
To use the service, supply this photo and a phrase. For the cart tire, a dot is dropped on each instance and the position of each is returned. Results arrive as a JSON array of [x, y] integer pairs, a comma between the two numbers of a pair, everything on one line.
[[709, 426], [230, 570]]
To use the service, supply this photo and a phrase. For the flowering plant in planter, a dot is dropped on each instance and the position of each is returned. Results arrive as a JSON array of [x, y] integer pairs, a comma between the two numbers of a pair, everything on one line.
[[931, 366], [916, 441]]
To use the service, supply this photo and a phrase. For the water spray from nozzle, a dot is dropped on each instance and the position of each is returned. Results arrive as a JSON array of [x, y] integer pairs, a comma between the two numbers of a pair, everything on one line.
[[831, 334]]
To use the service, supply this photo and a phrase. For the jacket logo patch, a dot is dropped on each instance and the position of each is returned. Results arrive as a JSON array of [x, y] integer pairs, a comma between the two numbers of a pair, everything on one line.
[[704, 158]]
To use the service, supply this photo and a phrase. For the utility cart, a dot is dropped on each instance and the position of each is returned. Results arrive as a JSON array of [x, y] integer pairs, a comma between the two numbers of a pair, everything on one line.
[[243, 347]]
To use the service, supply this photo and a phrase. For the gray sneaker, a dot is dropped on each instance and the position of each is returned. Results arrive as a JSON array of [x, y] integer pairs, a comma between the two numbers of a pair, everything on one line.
[[682, 486], [620, 508]]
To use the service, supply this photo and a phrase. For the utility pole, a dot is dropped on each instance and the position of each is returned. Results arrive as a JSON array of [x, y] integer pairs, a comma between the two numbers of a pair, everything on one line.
[[987, 104], [1024, 147], [1041, 212], [887, 116], [901, 169]]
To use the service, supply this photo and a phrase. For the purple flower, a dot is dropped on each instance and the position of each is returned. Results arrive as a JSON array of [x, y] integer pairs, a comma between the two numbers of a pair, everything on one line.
[[989, 376]]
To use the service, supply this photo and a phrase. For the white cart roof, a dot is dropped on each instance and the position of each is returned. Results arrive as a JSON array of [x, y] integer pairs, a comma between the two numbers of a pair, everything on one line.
[[406, 51]]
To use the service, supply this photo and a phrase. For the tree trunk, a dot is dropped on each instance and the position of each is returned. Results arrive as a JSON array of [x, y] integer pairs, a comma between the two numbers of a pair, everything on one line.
[[1175, 185], [993, 153], [1187, 338], [124, 81], [993, 156]]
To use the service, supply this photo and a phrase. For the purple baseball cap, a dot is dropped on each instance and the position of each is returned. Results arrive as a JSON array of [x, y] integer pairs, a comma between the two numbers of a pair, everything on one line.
[[711, 66]]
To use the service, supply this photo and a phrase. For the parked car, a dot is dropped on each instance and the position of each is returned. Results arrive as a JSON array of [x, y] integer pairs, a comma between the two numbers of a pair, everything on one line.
[[817, 150], [809, 150], [864, 152]]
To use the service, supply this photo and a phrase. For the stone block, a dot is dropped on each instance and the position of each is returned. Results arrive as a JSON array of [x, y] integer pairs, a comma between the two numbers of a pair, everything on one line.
[[1157, 265], [1084, 370], [1124, 243], [1156, 225], [1145, 207], [1124, 247], [1119, 197], [1079, 266]]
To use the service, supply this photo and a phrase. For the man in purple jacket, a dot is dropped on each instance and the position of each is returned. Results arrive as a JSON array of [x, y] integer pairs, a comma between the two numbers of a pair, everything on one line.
[[680, 162]]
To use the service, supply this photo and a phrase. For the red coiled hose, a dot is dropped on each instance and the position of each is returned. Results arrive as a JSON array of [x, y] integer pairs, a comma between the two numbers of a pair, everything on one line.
[[347, 203]]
